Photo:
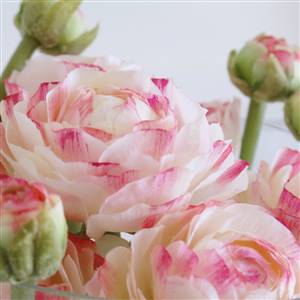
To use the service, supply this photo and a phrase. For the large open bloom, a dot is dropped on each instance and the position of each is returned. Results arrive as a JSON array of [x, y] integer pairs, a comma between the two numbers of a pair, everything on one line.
[[277, 188], [120, 147], [206, 252]]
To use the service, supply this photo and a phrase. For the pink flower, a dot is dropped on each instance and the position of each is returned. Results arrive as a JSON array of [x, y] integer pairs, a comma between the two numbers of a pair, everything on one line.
[[119, 147], [209, 251], [77, 267], [227, 114], [277, 188]]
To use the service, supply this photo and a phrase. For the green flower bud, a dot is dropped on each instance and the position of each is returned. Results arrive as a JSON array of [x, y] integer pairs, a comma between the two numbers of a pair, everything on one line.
[[265, 69], [33, 231], [292, 114], [57, 25]]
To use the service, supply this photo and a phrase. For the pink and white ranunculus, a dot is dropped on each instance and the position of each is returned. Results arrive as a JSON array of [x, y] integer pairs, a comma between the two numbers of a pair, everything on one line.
[[277, 188], [227, 114], [77, 267], [120, 147], [206, 252]]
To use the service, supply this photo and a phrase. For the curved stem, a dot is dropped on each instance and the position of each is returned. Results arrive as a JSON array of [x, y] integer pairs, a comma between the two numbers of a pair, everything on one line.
[[252, 130], [18, 59]]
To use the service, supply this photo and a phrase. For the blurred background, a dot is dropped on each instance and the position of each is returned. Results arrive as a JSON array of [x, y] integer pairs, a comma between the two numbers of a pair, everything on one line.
[[187, 41]]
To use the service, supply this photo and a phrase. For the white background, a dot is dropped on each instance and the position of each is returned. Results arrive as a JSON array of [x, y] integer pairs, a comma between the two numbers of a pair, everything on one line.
[[187, 41]]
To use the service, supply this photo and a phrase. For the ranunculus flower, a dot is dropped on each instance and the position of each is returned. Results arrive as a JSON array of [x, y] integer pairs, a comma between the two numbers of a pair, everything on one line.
[[227, 114], [77, 267], [277, 188], [119, 147], [235, 251], [33, 231], [266, 68]]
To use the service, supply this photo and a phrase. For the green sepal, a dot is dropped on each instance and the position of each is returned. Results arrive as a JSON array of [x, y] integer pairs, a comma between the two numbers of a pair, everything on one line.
[[275, 86], [50, 244], [21, 252], [234, 76], [246, 59], [30, 12], [49, 28], [77, 45]]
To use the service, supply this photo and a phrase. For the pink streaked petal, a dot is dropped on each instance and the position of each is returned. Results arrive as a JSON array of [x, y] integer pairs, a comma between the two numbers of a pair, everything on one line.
[[157, 211], [152, 142], [57, 102], [98, 134], [161, 262], [109, 280], [161, 83], [10, 101], [223, 187], [288, 212], [133, 218], [185, 260], [215, 269], [73, 144], [233, 172], [72, 65], [152, 190], [222, 151], [11, 87], [40, 95], [288, 157], [102, 169], [160, 105], [79, 109], [116, 182], [167, 123]]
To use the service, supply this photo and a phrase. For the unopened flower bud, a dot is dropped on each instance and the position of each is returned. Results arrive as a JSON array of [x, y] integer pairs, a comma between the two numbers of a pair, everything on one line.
[[58, 26], [33, 231], [265, 69]]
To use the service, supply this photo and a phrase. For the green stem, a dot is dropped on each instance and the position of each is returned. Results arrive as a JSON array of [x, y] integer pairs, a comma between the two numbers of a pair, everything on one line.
[[23, 292], [252, 129], [18, 59]]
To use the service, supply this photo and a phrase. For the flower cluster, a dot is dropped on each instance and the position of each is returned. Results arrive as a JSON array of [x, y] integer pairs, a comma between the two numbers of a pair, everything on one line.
[[209, 251], [128, 153], [120, 148]]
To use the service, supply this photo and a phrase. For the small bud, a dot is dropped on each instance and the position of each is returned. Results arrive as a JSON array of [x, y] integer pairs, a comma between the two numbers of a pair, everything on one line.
[[57, 25], [33, 231], [292, 114], [266, 69]]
